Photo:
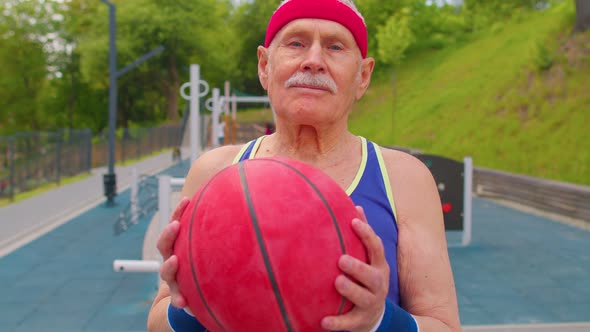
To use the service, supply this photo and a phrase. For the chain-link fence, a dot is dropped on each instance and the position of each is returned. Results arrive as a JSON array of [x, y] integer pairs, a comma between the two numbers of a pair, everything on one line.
[[135, 143], [30, 160]]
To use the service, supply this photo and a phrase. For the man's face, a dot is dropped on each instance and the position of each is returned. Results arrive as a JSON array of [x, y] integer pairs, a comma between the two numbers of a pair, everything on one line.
[[313, 71]]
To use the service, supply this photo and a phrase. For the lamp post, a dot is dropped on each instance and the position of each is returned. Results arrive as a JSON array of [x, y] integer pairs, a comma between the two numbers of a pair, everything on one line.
[[110, 178]]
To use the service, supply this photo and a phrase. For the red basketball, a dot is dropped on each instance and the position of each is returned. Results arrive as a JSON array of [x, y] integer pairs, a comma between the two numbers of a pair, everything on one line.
[[259, 244]]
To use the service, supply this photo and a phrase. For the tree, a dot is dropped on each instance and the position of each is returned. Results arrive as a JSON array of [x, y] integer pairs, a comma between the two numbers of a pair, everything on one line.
[[23, 65], [582, 15], [249, 20], [190, 31], [394, 37]]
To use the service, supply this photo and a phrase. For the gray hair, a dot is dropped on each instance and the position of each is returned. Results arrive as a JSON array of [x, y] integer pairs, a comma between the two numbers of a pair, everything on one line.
[[348, 3]]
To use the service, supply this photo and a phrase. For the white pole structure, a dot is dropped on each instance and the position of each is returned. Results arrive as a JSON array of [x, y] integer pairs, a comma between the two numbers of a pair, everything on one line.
[[122, 265], [134, 196], [165, 184], [234, 128], [193, 97], [195, 75], [467, 199], [227, 127], [214, 105]]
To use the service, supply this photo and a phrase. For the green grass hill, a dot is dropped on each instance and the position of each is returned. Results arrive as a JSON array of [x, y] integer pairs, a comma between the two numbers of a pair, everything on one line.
[[515, 98]]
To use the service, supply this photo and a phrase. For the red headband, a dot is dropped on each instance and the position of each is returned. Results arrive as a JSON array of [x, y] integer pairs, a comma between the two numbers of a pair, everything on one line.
[[332, 10]]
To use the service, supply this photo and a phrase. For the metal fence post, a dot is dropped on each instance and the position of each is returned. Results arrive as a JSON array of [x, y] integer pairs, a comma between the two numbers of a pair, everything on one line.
[[89, 150], [58, 137], [467, 199], [134, 196], [125, 135], [11, 147]]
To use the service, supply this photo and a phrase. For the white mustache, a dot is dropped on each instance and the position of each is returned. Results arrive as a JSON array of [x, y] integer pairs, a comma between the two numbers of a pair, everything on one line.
[[312, 80]]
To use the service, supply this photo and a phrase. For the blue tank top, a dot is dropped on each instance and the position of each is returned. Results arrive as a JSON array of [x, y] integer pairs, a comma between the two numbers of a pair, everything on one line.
[[370, 189]]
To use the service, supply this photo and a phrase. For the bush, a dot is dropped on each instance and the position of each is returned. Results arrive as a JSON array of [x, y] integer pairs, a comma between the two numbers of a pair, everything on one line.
[[543, 58], [394, 37]]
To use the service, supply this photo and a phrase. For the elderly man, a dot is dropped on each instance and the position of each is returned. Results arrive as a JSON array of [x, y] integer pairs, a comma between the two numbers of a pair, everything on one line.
[[314, 66]]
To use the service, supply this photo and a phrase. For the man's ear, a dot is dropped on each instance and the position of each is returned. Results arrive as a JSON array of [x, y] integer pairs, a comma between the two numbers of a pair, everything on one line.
[[367, 66], [262, 66]]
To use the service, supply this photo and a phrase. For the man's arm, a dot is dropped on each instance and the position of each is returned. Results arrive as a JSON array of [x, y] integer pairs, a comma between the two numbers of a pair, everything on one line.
[[201, 170], [426, 281]]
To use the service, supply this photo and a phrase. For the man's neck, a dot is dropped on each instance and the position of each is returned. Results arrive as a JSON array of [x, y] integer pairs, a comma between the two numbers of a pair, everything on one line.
[[323, 149]]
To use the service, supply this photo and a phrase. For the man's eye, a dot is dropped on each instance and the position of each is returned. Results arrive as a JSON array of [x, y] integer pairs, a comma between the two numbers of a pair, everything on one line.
[[296, 44], [335, 47]]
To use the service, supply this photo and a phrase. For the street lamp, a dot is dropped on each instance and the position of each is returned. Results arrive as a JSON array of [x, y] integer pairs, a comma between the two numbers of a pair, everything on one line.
[[110, 179]]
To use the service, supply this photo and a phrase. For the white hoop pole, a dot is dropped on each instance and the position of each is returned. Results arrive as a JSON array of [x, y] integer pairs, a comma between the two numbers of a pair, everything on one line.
[[195, 77], [467, 199], [216, 112]]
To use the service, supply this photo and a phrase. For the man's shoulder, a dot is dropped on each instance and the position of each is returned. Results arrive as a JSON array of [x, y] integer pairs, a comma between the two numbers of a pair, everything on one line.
[[219, 157], [207, 165], [399, 158], [401, 164]]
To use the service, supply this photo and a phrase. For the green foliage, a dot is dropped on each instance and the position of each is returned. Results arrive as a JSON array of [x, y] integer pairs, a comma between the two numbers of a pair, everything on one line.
[[23, 67], [480, 98], [437, 27], [394, 38], [249, 21], [376, 13], [542, 56], [482, 14]]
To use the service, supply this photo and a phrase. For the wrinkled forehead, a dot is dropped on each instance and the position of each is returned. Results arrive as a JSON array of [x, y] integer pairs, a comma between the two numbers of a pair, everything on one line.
[[330, 10]]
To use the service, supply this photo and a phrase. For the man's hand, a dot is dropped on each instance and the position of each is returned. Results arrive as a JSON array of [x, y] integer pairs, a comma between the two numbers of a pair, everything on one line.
[[166, 247], [364, 284]]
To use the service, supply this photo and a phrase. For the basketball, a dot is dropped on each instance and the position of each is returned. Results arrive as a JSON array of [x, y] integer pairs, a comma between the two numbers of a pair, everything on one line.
[[259, 244]]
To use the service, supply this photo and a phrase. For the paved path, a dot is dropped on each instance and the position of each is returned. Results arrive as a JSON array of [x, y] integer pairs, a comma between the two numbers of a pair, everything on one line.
[[522, 273], [26, 220]]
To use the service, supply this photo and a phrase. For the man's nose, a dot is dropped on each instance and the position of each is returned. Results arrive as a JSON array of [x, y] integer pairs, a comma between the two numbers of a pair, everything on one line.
[[314, 59]]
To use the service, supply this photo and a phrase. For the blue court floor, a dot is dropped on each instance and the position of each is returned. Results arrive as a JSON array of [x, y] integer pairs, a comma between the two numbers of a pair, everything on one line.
[[519, 268]]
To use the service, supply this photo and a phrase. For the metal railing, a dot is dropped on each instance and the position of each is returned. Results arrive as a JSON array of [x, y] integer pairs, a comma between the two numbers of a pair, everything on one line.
[[30, 160], [564, 199]]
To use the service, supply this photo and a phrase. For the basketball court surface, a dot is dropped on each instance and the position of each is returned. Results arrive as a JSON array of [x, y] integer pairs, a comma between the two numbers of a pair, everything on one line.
[[521, 273]]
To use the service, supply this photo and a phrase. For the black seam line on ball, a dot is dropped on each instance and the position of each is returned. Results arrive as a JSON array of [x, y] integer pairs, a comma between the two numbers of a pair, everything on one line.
[[328, 207], [191, 258], [263, 249]]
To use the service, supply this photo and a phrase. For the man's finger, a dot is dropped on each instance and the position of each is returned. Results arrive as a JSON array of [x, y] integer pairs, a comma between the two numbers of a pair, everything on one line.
[[371, 241], [360, 296], [361, 213], [166, 240], [180, 209], [346, 322], [168, 269]]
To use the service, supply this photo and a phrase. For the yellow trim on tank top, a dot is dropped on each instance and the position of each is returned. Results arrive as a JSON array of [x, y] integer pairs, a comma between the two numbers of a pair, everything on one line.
[[256, 147], [361, 170], [386, 181], [245, 147], [239, 155]]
